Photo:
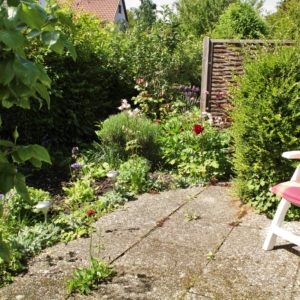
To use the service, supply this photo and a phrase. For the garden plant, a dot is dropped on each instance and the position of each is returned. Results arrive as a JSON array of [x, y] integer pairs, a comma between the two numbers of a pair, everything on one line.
[[114, 113]]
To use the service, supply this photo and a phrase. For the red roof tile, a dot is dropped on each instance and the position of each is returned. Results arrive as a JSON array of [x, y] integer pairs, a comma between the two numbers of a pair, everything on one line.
[[103, 9]]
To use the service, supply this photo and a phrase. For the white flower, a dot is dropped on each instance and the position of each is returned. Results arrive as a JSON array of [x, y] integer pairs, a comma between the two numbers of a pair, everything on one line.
[[134, 113], [124, 105], [208, 116]]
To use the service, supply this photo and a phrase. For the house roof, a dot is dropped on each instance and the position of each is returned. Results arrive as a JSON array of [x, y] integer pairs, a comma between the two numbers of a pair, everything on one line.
[[103, 9]]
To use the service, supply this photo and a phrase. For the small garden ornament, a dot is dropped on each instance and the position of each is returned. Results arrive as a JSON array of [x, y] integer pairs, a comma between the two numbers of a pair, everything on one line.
[[44, 208], [112, 174]]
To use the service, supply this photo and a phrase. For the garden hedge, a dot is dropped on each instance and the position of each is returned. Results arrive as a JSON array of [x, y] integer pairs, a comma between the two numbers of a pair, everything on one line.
[[266, 119], [82, 92]]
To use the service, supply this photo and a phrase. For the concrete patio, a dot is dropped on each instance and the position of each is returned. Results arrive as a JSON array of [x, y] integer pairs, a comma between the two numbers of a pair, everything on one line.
[[198, 243]]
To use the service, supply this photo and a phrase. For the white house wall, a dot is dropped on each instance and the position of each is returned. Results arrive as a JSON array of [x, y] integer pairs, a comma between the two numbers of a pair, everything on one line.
[[120, 17]]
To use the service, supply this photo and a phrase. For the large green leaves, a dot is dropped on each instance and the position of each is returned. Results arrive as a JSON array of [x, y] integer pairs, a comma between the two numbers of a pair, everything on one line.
[[7, 72], [25, 153], [33, 15], [7, 177], [22, 22], [12, 38]]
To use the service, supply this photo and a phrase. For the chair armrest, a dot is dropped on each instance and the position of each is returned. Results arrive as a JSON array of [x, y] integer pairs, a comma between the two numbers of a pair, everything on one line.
[[291, 154]]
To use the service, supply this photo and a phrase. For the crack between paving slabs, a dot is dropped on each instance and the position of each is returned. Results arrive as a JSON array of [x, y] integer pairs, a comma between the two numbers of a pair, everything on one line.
[[210, 261], [157, 225], [294, 282]]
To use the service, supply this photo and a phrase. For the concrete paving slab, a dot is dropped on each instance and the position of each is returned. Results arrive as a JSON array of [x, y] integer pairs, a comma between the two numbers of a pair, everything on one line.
[[242, 270], [160, 251], [115, 233], [213, 206]]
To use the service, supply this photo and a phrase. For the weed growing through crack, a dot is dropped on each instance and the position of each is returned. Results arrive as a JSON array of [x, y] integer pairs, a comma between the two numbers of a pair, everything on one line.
[[84, 280], [210, 256], [191, 217]]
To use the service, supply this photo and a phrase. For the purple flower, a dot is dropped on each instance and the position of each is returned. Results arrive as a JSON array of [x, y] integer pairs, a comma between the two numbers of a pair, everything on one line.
[[195, 89], [76, 166], [1, 196]]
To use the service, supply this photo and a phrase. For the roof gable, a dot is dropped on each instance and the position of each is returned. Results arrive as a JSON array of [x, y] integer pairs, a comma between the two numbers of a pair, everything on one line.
[[103, 9]]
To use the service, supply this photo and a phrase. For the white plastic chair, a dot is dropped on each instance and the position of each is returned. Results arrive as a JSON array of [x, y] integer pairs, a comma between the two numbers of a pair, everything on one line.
[[290, 193]]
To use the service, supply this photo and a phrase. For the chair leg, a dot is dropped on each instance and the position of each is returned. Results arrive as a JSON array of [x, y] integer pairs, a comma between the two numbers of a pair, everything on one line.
[[278, 219]]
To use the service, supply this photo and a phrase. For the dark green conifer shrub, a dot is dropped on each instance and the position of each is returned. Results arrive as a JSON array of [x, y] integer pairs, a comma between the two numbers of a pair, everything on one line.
[[266, 117]]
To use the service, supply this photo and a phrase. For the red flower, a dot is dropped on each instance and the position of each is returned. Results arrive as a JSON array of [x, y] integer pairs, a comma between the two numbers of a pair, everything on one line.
[[157, 121], [197, 129], [90, 212]]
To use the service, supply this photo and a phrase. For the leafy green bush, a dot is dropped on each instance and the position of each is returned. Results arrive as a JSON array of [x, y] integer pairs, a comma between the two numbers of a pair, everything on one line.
[[266, 123], [200, 16], [129, 135], [240, 21], [285, 22], [84, 280], [194, 149], [133, 175], [163, 55], [79, 192]]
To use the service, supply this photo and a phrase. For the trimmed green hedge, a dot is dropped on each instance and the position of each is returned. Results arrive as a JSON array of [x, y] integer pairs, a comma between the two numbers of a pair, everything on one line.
[[266, 118], [82, 92]]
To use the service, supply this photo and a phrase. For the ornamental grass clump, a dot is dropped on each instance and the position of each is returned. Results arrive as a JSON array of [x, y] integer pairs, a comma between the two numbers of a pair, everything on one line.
[[128, 134], [266, 119]]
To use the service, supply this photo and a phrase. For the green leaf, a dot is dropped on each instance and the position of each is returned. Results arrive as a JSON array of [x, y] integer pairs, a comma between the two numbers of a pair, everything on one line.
[[71, 49], [50, 38], [33, 15], [6, 103], [26, 71], [58, 47], [41, 153], [14, 3], [7, 71], [24, 153], [12, 20], [12, 39], [6, 143], [43, 92], [36, 163], [33, 33], [20, 184], [43, 77], [7, 177]]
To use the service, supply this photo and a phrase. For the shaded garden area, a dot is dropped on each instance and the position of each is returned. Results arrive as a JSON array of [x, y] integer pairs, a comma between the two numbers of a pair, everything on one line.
[[93, 115]]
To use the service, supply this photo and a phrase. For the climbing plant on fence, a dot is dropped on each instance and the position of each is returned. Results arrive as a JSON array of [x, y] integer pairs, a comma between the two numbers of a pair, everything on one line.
[[22, 80]]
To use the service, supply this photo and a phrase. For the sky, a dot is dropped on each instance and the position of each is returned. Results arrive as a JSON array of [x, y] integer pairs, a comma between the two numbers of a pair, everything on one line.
[[269, 5]]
